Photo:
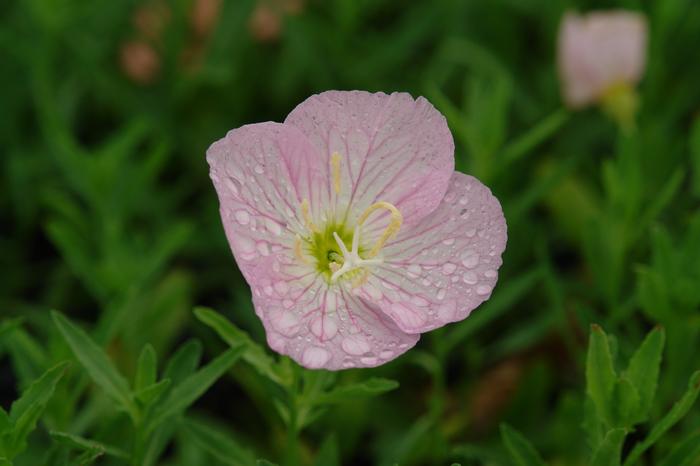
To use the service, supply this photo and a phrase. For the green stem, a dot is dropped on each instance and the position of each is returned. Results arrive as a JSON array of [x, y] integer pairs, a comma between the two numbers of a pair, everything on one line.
[[533, 137]]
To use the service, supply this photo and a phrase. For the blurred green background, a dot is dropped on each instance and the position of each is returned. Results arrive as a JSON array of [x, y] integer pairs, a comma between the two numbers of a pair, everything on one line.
[[107, 215]]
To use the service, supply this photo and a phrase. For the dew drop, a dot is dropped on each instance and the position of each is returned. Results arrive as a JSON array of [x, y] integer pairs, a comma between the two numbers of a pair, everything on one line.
[[470, 278], [369, 360], [490, 274], [414, 270], [259, 169], [314, 357], [448, 268], [242, 217], [483, 290], [441, 294], [355, 345], [263, 248]]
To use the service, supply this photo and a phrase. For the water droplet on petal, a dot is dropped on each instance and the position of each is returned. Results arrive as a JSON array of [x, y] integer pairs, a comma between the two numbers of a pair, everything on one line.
[[281, 287], [441, 294], [273, 227], [414, 270], [483, 290], [314, 357], [470, 259], [263, 248], [355, 345], [386, 354], [242, 217], [369, 360], [470, 278], [286, 323], [490, 274], [448, 268], [324, 327], [259, 169]]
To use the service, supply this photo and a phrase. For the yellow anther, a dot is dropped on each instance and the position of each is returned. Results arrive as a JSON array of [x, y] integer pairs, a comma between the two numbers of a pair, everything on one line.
[[307, 216], [298, 252], [335, 167], [394, 224]]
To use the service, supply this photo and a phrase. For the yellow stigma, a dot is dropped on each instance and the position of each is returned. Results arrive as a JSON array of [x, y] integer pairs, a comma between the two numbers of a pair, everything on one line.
[[335, 168], [307, 216], [391, 229]]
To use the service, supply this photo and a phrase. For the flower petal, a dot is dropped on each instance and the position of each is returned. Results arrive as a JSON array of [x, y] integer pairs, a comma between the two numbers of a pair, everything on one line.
[[393, 148], [600, 50], [324, 328], [443, 268], [262, 173]]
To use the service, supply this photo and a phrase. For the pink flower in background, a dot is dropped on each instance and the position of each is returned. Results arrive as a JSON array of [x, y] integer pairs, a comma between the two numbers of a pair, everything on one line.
[[352, 227], [600, 54]]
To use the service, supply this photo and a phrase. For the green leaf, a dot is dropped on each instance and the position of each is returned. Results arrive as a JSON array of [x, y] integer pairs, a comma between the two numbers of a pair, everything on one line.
[[152, 393], [643, 370], [328, 454], [370, 387], [5, 462], [184, 362], [263, 462], [625, 403], [194, 386], [254, 354], [684, 453], [609, 450], [25, 412], [600, 375], [76, 442], [97, 364], [218, 443], [146, 371], [676, 413], [520, 449], [5, 421]]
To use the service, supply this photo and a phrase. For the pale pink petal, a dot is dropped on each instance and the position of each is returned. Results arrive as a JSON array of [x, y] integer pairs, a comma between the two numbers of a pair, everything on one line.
[[440, 270], [262, 173], [599, 50], [328, 328], [393, 148]]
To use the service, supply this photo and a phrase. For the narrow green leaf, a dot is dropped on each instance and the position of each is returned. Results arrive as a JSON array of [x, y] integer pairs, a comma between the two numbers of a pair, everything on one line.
[[643, 370], [146, 371], [194, 386], [254, 354], [370, 387], [96, 363], [520, 449], [184, 362], [218, 443], [80, 443], [6, 423], [328, 454], [600, 374], [25, 411], [625, 403], [152, 393], [685, 453], [676, 413], [609, 450]]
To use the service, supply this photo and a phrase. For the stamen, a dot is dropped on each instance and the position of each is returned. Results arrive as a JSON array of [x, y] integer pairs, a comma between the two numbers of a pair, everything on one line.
[[335, 167], [298, 252], [307, 216], [391, 229]]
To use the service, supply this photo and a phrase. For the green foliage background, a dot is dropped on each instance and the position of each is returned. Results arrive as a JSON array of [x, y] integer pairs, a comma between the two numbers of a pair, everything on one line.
[[107, 215]]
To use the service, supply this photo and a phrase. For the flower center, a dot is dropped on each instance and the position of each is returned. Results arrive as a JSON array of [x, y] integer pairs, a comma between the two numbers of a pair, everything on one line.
[[327, 246]]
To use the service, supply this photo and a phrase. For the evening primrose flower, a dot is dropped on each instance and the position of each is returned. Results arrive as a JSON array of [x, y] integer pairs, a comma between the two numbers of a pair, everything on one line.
[[601, 58], [352, 228]]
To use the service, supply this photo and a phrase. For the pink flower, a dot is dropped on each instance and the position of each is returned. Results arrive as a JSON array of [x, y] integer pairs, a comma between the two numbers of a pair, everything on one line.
[[352, 227], [599, 54]]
